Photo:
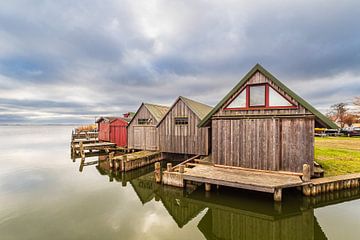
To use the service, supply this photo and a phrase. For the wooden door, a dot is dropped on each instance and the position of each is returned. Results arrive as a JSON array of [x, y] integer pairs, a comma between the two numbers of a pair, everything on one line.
[[150, 138], [139, 138]]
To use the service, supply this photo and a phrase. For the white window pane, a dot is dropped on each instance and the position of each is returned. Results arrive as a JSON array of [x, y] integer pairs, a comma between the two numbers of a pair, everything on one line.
[[239, 101], [275, 99], [257, 96]]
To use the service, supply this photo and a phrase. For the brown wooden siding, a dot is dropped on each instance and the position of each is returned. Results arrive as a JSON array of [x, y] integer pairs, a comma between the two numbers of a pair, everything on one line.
[[143, 137], [182, 139], [264, 143]]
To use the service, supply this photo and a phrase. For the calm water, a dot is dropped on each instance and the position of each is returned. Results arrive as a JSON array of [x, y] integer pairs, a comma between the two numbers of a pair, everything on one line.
[[43, 195]]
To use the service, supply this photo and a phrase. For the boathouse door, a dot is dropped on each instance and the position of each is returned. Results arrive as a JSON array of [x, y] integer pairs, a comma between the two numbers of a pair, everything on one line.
[[145, 137]]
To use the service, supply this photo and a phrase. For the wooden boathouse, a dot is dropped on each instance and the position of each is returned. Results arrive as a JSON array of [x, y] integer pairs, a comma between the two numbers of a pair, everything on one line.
[[262, 139], [262, 124], [178, 129], [142, 132], [113, 129]]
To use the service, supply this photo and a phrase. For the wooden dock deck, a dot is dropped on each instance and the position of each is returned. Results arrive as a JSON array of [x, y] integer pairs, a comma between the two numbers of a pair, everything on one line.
[[246, 179], [203, 171], [134, 160], [81, 148]]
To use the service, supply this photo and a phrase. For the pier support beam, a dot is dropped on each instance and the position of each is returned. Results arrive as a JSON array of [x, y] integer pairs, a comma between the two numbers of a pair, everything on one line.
[[82, 151], [278, 194]]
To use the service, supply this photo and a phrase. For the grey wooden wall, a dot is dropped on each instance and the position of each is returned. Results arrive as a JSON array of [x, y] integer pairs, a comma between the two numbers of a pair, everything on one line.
[[143, 137], [182, 139]]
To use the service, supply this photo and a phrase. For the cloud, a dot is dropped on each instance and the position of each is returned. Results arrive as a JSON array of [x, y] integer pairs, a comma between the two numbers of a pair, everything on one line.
[[71, 61]]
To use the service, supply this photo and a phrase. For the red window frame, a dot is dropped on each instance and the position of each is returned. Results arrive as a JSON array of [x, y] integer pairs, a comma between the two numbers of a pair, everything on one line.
[[266, 106]]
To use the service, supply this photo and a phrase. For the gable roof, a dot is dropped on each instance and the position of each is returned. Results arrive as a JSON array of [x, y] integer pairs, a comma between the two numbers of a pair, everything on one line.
[[319, 116], [157, 111], [198, 108]]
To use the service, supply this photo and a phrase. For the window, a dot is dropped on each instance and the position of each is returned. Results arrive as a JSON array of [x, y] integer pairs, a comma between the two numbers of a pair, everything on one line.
[[257, 96], [275, 99], [181, 120], [144, 121], [239, 101]]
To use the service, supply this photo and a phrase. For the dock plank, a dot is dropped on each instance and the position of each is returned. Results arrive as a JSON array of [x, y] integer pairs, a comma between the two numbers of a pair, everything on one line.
[[251, 180]]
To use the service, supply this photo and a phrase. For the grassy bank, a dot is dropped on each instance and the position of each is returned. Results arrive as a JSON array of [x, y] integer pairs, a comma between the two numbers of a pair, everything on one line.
[[338, 155]]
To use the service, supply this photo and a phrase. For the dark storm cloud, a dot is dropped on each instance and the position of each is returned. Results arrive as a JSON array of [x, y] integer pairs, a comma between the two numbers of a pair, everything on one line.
[[63, 61]]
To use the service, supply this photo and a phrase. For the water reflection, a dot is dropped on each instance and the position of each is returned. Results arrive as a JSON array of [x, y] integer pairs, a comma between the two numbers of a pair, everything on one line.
[[230, 213]]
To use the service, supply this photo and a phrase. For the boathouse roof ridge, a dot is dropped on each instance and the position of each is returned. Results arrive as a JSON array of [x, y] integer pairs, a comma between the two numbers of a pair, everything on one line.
[[200, 109], [158, 111], [258, 68]]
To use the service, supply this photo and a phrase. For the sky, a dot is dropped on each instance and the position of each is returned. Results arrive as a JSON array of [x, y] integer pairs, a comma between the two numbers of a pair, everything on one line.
[[71, 61]]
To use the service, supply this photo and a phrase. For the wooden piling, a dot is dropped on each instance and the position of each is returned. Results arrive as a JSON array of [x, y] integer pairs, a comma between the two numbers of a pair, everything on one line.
[[207, 187], [306, 190], [181, 169], [169, 167], [278, 194], [158, 172], [306, 173]]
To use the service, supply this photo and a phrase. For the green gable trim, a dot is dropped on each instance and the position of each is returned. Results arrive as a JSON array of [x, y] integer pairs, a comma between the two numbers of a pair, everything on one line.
[[318, 115]]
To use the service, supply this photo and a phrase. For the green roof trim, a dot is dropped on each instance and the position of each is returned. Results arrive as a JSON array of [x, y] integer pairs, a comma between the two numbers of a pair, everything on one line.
[[318, 115], [199, 109]]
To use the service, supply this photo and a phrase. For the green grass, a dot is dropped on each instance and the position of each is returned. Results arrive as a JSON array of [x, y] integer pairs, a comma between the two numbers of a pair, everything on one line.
[[338, 155]]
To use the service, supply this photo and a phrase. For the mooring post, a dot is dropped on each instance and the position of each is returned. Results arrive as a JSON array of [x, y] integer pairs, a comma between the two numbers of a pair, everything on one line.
[[278, 194], [306, 173], [207, 187], [158, 172], [169, 167]]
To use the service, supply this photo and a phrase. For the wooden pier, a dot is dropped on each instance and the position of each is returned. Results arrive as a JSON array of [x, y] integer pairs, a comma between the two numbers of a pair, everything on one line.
[[84, 135], [80, 149], [134, 160], [250, 179]]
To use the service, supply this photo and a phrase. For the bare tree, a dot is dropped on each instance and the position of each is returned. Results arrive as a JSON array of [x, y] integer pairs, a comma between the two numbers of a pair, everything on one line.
[[338, 112], [349, 119]]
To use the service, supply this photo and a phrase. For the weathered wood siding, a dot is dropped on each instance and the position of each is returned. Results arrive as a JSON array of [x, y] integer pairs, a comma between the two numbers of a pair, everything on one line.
[[270, 139], [267, 143], [104, 131], [143, 137], [182, 139]]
